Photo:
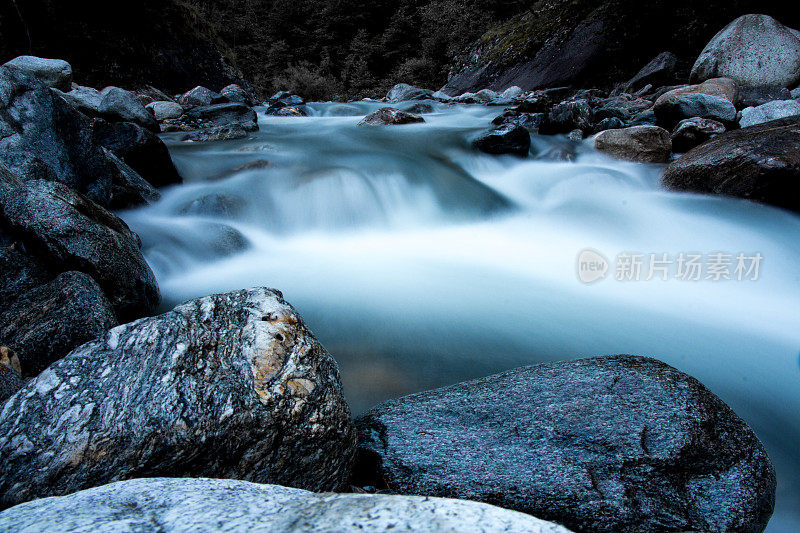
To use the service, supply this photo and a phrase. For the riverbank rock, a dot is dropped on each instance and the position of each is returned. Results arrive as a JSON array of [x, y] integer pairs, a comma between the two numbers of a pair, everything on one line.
[[230, 385], [658, 72], [389, 116], [217, 115], [643, 144], [504, 139], [46, 323], [235, 93], [753, 50], [164, 110], [119, 105], [605, 444], [239, 506], [66, 231], [54, 73], [752, 116], [760, 163], [692, 132], [566, 117], [763, 94], [200, 96], [403, 92], [715, 99], [10, 380]]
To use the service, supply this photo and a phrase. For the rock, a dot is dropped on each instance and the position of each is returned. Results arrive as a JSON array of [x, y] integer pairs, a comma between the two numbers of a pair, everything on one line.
[[285, 99], [19, 272], [753, 50], [239, 506], [606, 444], [222, 115], [611, 123], [645, 118], [419, 108], [235, 93], [658, 72], [120, 105], [289, 111], [200, 96], [215, 205], [703, 100], [148, 95], [53, 73], [43, 137], [643, 144], [756, 96], [230, 385], [141, 149], [10, 382], [47, 322], [692, 132], [129, 188], [529, 121], [567, 116], [796, 94], [769, 111], [760, 163], [389, 116], [231, 132], [84, 99], [534, 104], [165, 110], [403, 92], [511, 92], [69, 232], [505, 139]]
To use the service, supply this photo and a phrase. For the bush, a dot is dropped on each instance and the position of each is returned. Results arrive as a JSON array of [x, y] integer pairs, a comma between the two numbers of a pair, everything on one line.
[[309, 81]]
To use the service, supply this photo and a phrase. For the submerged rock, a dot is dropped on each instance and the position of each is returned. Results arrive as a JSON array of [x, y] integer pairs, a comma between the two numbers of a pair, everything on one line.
[[231, 386], [504, 139], [753, 50], [643, 144], [606, 444], [48, 322], [240, 506], [760, 163], [389, 116]]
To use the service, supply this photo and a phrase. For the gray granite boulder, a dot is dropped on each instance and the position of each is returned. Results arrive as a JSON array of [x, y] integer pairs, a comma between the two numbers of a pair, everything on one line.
[[643, 144], [752, 116], [389, 116], [605, 444], [230, 386], [123, 106], [54, 73]]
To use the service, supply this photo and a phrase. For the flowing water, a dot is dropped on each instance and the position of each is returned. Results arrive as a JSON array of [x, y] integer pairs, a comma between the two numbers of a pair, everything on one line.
[[420, 263]]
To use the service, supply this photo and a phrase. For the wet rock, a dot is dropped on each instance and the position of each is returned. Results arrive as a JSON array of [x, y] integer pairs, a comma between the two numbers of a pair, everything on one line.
[[769, 111], [129, 189], [419, 108], [756, 96], [165, 110], [149, 94], [575, 136], [403, 92], [289, 111], [230, 132], [692, 132], [235, 93], [213, 116], [119, 105], [644, 144], [216, 205], [504, 139], [713, 99], [141, 149], [66, 231], [567, 116], [53, 73], [512, 92], [754, 50], [231, 505], [645, 118], [658, 72], [48, 322], [389, 116], [606, 444], [200, 96], [529, 121], [84, 99], [796, 94], [231, 386], [611, 123], [760, 163], [534, 104], [285, 99]]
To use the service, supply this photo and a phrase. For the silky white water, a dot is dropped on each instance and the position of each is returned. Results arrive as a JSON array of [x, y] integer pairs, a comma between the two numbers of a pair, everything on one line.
[[419, 262]]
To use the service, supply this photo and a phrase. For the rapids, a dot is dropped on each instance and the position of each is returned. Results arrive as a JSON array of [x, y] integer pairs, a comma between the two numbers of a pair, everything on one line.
[[419, 262]]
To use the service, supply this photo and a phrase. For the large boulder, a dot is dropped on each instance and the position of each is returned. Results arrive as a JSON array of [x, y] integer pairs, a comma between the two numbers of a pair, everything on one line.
[[403, 92], [643, 144], [201, 96], [715, 99], [605, 444], [752, 116], [235, 93], [49, 321], [389, 116], [84, 99], [163, 110], [120, 105], [54, 73], [660, 71], [240, 506], [760, 163], [566, 117], [66, 231], [231, 386], [753, 50], [141, 149], [212, 116], [507, 138]]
